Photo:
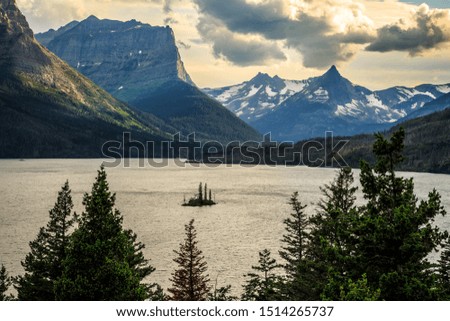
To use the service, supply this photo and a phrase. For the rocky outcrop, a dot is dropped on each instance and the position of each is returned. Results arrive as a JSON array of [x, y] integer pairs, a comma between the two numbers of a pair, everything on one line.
[[125, 58]]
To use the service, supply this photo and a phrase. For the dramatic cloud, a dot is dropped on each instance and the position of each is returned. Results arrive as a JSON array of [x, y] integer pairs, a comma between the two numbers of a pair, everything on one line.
[[323, 31], [239, 49], [58, 11], [430, 29]]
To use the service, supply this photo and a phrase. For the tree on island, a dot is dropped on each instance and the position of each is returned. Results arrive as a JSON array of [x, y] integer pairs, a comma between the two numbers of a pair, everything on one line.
[[190, 281], [104, 261], [5, 283], [201, 199], [44, 264]]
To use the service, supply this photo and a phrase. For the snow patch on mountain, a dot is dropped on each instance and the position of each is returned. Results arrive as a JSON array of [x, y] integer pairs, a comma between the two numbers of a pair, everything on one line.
[[231, 92], [445, 89]]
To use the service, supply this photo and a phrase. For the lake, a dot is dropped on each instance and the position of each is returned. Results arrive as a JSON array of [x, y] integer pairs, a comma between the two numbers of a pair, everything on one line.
[[252, 204]]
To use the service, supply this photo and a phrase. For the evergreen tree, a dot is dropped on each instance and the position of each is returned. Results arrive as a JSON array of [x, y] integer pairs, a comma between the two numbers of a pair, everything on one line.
[[293, 251], [104, 261], [265, 284], [444, 272], [206, 192], [396, 232], [350, 291], [332, 246], [190, 281], [222, 294], [200, 192], [296, 238], [5, 283], [44, 264], [210, 195]]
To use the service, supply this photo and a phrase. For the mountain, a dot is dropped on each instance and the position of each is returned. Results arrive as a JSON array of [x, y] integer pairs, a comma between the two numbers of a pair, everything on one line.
[[47, 109], [255, 98], [141, 65], [124, 58], [326, 103]]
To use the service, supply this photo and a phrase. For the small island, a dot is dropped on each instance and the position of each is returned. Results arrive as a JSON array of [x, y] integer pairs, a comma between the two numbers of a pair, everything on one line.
[[203, 198]]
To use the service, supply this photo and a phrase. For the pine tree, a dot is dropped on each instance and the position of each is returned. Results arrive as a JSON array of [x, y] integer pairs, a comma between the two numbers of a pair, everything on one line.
[[190, 281], [332, 238], [264, 285], [295, 241], [104, 261], [443, 272], [395, 231], [297, 285], [5, 283], [44, 264], [200, 192], [206, 192], [210, 195]]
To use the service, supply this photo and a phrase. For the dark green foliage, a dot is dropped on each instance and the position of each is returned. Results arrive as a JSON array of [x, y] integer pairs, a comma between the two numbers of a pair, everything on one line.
[[5, 283], [395, 232], [444, 272], [350, 291], [104, 261], [295, 240], [263, 284], [377, 251], [222, 294], [44, 264], [190, 281], [295, 243], [332, 239]]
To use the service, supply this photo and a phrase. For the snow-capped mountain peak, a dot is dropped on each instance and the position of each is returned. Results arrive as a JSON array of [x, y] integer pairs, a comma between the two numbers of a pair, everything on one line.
[[255, 98]]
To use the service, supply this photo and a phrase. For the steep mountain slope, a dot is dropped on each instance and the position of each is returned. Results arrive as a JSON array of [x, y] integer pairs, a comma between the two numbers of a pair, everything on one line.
[[141, 65], [185, 107], [47, 109]]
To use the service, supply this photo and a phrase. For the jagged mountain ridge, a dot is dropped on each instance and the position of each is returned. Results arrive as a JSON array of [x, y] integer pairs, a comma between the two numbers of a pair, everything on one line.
[[141, 64], [253, 99], [47, 109], [326, 103]]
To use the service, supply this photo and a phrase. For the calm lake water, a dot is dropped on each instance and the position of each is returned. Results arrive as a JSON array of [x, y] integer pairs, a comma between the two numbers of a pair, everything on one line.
[[252, 206]]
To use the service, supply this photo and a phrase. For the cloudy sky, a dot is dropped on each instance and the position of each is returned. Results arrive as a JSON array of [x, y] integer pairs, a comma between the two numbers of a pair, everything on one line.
[[374, 43]]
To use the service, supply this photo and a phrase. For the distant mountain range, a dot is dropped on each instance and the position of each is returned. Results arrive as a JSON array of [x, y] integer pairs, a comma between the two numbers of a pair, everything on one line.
[[299, 109], [141, 65], [47, 109]]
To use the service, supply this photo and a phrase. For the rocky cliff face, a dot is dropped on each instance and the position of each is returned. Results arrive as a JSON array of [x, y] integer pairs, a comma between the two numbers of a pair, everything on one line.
[[125, 58]]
